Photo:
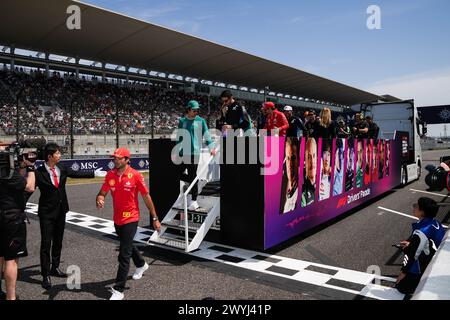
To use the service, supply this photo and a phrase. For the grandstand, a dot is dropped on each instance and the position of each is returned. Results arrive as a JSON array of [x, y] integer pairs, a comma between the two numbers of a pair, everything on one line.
[[129, 80]]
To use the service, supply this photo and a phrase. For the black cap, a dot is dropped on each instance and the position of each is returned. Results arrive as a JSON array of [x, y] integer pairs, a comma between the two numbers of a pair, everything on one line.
[[428, 206], [226, 94]]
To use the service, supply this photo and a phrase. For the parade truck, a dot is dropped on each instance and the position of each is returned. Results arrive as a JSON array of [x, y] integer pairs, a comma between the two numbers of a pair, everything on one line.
[[293, 186]]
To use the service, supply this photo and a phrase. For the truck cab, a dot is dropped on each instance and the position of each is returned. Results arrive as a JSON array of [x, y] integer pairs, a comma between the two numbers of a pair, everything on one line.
[[392, 117]]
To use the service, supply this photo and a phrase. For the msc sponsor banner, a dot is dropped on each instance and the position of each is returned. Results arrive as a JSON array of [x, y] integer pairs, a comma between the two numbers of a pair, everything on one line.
[[104, 164], [319, 180]]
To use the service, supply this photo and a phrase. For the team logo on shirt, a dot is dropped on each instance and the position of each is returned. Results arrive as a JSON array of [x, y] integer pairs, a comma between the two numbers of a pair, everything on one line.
[[112, 183], [130, 175], [126, 214]]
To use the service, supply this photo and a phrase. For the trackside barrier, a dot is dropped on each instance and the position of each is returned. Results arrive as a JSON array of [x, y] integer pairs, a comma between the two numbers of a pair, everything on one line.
[[435, 282]]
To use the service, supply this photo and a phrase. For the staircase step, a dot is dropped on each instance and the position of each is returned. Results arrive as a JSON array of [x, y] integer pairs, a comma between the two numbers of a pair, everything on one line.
[[179, 225], [172, 240], [192, 211], [211, 189]]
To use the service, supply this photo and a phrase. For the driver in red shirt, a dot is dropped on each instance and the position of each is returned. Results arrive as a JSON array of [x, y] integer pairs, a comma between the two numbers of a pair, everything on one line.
[[125, 183], [275, 120]]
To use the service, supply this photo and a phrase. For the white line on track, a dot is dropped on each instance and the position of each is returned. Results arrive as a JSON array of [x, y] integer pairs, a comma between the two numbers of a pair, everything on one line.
[[432, 193], [403, 214]]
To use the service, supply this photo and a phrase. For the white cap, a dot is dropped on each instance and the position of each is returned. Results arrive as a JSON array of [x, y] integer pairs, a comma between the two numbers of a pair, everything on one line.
[[287, 108]]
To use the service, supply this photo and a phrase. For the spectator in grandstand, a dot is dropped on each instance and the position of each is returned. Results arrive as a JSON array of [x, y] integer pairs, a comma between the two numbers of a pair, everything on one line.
[[276, 122], [233, 115], [343, 130], [360, 129], [427, 235], [191, 131], [309, 184], [326, 128], [125, 183], [296, 126]]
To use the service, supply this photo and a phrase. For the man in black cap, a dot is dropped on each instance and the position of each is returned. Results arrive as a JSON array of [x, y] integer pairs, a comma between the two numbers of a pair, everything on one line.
[[233, 115], [296, 126]]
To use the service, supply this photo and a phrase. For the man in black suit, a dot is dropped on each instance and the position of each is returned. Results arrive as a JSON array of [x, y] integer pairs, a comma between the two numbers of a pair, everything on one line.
[[53, 205]]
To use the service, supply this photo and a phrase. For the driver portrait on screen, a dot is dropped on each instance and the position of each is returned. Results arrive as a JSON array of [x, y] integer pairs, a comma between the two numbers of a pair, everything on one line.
[[325, 171], [350, 173], [388, 155], [375, 162], [367, 166], [359, 165], [381, 165], [309, 184], [290, 193], [338, 167]]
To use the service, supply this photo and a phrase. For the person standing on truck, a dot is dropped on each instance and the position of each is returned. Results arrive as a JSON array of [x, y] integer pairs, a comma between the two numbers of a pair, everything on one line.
[[326, 128], [276, 120], [360, 128], [374, 130], [296, 126], [311, 123], [343, 131], [233, 115]]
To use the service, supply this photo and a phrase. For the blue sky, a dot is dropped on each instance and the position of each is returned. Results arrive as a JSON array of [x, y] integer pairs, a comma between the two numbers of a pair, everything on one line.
[[409, 57]]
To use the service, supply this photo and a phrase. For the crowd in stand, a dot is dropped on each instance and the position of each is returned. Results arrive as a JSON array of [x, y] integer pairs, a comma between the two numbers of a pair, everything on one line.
[[45, 104]]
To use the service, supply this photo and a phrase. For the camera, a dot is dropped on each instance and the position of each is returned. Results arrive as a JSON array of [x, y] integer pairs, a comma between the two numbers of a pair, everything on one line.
[[13, 154], [438, 178]]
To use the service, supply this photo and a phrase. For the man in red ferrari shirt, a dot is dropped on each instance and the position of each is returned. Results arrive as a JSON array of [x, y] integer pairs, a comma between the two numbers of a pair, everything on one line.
[[125, 183], [276, 121]]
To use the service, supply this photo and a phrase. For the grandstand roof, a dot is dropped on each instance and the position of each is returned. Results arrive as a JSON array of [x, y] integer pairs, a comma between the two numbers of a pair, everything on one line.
[[110, 37]]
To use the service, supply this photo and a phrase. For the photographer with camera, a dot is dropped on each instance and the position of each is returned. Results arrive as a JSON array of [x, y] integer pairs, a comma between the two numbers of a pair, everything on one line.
[[13, 193], [51, 180], [438, 178]]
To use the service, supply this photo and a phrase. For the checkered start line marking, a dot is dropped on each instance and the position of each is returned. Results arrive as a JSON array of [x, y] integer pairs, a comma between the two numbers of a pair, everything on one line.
[[346, 280]]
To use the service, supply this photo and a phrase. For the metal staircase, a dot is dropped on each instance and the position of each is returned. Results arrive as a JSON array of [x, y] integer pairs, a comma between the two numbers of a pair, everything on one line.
[[187, 234]]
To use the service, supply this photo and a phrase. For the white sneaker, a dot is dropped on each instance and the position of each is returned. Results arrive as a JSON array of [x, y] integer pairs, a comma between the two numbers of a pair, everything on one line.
[[116, 295], [194, 205], [140, 271]]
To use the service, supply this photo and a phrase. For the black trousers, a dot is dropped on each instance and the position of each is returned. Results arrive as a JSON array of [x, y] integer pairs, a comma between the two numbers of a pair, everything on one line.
[[191, 174], [127, 250], [52, 234], [409, 283]]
